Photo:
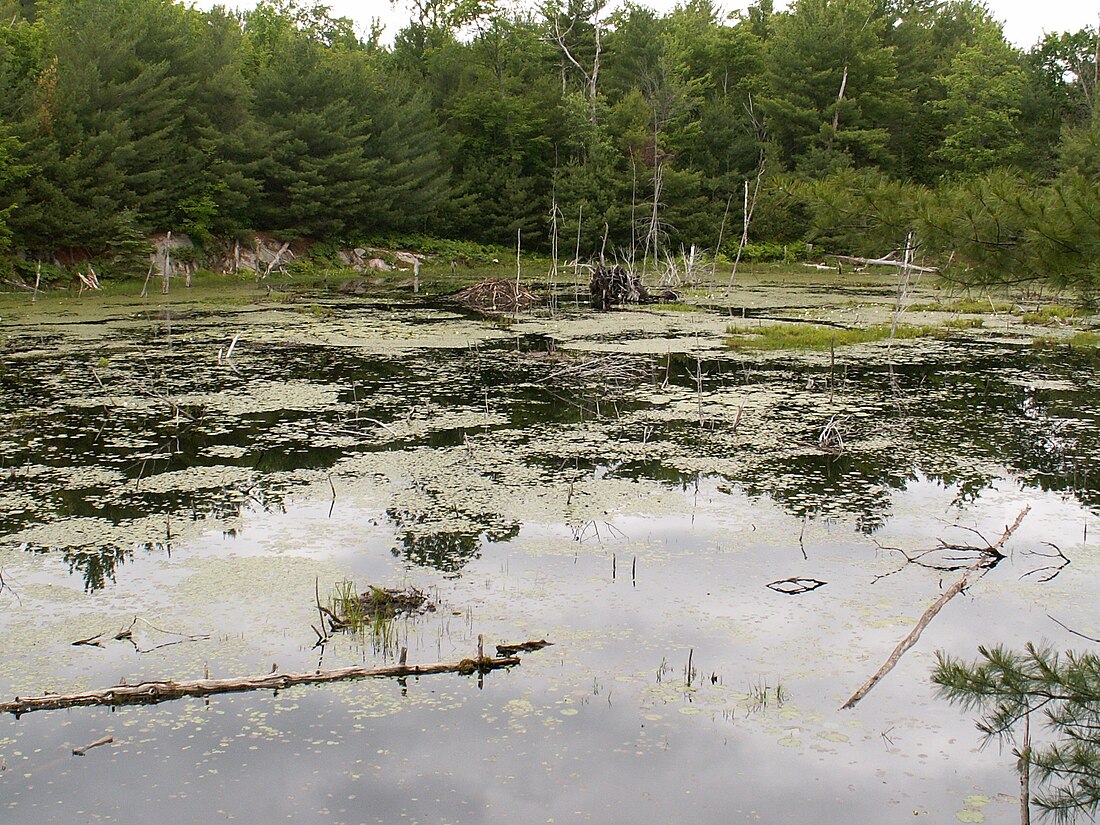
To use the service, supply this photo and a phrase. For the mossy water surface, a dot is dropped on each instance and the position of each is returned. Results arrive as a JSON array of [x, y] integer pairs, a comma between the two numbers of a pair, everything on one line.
[[632, 509]]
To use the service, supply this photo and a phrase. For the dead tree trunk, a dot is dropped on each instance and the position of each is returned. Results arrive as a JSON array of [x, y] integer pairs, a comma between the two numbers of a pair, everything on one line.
[[163, 690]]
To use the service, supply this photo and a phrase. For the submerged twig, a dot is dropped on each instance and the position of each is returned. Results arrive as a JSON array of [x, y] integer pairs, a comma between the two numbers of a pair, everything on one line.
[[106, 740], [1055, 569], [127, 634], [1069, 629]]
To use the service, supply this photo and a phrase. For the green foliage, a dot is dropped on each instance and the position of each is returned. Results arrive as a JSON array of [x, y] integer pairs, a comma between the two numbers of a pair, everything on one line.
[[861, 212], [862, 120], [832, 84], [984, 222], [814, 337], [985, 90], [767, 251], [1005, 686], [10, 174]]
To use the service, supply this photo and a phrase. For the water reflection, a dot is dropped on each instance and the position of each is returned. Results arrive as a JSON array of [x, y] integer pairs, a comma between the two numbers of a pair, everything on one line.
[[439, 534], [104, 433]]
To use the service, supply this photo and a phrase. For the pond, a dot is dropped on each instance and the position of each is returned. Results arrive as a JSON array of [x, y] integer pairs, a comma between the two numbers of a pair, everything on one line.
[[202, 469]]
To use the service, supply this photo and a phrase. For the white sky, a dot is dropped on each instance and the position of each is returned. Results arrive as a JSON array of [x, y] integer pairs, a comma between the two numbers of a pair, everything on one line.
[[1025, 21]]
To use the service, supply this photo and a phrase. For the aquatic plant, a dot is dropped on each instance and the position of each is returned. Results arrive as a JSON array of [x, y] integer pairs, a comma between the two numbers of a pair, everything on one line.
[[964, 305], [1086, 339], [816, 336], [1050, 315], [964, 323]]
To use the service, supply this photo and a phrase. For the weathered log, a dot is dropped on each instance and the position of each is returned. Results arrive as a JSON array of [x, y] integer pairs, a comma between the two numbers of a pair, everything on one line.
[[852, 259], [163, 690], [521, 647]]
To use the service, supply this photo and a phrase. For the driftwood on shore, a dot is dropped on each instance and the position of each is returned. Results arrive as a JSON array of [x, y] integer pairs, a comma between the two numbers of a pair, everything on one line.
[[988, 556], [163, 690]]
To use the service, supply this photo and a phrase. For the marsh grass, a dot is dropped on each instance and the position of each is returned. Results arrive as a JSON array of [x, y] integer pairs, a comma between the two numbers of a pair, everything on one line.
[[374, 613], [1085, 339], [761, 695], [977, 306], [817, 337], [375, 608], [1050, 315], [346, 604], [964, 323], [677, 306]]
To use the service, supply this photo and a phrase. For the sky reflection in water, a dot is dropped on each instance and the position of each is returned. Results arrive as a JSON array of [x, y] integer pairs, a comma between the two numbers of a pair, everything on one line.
[[513, 503]]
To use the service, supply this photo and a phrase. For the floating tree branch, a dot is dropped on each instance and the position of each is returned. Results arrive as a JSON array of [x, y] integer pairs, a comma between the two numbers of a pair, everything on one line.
[[163, 690], [987, 557]]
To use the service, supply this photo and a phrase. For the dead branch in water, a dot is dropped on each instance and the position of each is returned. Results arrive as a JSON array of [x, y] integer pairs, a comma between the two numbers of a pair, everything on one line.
[[988, 557], [886, 261], [163, 690], [513, 649], [496, 296], [127, 634], [106, 740]]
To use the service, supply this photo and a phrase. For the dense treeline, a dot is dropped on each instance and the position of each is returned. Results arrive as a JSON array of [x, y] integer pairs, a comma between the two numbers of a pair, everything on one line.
[[849, 123]]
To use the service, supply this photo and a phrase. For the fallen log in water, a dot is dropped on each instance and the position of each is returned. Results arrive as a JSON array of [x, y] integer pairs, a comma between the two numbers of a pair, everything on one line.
[[163, 690], [988, 556], [852, 259]]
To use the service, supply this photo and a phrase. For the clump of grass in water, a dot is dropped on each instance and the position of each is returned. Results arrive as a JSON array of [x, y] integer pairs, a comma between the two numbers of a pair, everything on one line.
[[1050, 314], [978, 306], [678, 306], [964, 323], [761, 695], [814, 337], [346, 605], [1080, 340], [375, 610]]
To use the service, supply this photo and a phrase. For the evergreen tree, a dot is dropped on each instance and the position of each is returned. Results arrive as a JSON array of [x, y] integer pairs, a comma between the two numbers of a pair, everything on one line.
[[1005, 687], [832, 82], [316, 177], [985, 92]]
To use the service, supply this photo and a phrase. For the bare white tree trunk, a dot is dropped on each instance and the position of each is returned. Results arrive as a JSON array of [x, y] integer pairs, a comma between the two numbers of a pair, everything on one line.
[[839, 100], [167, 273]]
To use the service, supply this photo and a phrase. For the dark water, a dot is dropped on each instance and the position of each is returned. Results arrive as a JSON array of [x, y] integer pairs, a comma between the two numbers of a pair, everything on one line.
[[631, 506]]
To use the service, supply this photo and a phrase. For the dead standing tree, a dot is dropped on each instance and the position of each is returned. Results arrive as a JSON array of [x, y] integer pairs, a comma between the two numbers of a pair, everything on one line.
[[668, 99], [567, 23]]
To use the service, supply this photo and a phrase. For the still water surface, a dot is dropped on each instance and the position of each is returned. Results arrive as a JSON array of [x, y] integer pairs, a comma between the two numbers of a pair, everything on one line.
[[624, 486]]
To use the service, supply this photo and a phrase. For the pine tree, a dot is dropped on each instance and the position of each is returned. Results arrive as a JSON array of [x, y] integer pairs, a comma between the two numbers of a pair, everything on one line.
[[1006, 687], [985, 94]]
